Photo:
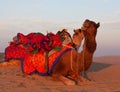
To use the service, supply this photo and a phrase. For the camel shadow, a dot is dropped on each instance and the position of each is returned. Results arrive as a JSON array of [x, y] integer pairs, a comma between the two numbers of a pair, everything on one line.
[[95, 67]]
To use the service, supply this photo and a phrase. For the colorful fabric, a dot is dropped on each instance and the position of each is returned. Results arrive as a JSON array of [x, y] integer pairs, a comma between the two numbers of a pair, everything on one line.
[[15, 52], [32, 40], [52, 41], [31, 43], [36, 62]]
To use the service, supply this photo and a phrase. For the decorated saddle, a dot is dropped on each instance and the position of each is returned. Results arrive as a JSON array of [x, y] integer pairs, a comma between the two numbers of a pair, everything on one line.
[[31, 48], [22, 44], [36, 62], [31, 43]]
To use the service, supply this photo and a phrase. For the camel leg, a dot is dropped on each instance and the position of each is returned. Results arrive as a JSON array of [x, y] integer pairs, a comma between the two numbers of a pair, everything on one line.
[[75, 76], [80, 79], [65, 80]]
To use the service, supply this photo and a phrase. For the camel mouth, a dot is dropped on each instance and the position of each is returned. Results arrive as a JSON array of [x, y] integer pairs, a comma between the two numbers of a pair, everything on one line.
[[84, 28], [78, 36], [77, 44]]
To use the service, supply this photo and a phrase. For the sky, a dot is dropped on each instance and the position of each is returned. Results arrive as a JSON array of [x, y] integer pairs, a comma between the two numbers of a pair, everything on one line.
[[28, 16]]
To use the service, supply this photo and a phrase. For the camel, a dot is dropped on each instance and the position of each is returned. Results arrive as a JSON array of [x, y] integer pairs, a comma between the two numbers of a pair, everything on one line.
[[72, 62], [89, 30]]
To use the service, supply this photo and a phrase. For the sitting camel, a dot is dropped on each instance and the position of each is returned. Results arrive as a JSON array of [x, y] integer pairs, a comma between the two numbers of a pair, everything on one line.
[[72, 62]]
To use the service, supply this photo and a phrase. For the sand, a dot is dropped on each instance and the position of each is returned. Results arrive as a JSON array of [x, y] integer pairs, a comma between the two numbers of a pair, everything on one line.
[[104, 75]]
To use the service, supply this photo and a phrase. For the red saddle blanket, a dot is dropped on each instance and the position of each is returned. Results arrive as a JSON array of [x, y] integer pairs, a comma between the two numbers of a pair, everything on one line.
[[31, 43], [36, 62], [15, 52]]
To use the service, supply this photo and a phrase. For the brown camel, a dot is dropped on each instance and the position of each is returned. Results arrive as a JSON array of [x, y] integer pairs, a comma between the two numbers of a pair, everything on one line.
[[72, 62], [89, 29]]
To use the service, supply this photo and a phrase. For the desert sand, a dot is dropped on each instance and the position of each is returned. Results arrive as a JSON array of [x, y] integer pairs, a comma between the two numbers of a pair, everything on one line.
[[104, 74]]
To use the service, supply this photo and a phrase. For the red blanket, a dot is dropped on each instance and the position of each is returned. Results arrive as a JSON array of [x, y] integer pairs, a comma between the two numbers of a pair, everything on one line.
[[15, 52], [36, 62], [31, 43]]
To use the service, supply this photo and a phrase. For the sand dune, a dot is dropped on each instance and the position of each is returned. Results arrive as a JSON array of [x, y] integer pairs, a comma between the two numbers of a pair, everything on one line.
[[105, 77]]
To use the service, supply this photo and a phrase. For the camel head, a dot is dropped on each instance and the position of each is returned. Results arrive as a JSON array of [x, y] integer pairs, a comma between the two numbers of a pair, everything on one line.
[[90, 27], [65, 36], [89, 30], [77, 37]]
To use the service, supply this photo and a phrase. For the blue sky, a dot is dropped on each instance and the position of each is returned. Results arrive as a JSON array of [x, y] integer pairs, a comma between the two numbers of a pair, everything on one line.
[[27, 16], [59, 9]]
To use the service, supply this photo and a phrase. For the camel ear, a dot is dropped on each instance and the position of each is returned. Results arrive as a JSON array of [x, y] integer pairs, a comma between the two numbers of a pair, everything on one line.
[[58, 32], [98, 24], [75, 30], [64, 30], [87, 20]]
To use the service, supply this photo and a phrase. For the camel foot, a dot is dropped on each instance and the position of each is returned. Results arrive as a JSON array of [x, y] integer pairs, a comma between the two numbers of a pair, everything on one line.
[[84, 81], [67, 81]]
